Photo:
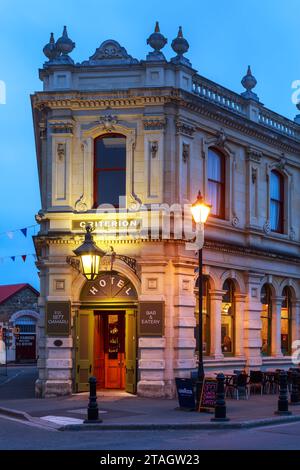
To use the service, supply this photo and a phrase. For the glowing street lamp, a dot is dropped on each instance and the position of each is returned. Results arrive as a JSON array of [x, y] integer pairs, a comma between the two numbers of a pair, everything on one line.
[[200, 211], [90, 256]]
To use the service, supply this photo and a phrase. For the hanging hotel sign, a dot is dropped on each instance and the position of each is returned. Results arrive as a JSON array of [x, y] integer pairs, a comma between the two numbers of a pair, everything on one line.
[[108, 225], [108, 287], [151, 318], [58, 318]]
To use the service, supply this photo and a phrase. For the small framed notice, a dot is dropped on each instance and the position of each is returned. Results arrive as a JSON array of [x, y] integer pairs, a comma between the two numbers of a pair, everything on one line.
[[58, 318], [151, 318]]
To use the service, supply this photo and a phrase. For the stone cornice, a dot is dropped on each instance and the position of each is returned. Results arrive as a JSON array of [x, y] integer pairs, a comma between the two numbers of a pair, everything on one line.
[[141, 97], [215, 245]]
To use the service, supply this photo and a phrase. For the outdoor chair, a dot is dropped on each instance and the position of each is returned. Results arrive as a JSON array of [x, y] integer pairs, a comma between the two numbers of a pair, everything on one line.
[[256, 381], [239, 386]]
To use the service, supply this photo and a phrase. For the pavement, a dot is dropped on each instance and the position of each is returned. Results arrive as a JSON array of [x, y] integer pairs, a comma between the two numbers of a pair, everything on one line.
[[122, 411]]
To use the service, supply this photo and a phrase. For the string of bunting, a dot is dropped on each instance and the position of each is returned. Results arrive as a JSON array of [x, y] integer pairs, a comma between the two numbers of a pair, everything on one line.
[[15, 257], [25, 231]]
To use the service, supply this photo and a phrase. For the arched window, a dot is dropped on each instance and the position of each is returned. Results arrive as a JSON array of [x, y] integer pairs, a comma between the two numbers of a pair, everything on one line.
[[216, 182], [266, 320], [276, 202], [109, 169], [228, 319], [205, 317], [286, 321]]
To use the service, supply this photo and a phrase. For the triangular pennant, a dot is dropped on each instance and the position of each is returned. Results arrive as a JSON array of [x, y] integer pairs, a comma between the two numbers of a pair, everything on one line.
[[24, 231], [10, 234], [13, 258], [24, 258]]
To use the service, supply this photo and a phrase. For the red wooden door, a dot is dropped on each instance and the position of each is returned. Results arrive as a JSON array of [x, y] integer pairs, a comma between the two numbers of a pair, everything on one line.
[[109, 349]]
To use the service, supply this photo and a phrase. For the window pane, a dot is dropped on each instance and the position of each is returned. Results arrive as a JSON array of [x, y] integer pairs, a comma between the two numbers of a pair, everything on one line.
[[111, 152], [275, 186], [214, 197], [275, 216], [214, 166], [110, 186]]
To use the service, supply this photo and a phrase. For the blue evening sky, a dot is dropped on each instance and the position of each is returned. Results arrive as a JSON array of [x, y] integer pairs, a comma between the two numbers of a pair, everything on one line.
[[224, 35]]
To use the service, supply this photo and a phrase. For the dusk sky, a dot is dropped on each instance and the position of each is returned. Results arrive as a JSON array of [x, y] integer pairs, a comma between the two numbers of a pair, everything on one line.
[[224, 35]]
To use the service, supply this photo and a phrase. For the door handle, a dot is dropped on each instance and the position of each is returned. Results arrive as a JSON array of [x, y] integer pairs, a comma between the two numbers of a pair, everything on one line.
[[78, 368], [90, 368]]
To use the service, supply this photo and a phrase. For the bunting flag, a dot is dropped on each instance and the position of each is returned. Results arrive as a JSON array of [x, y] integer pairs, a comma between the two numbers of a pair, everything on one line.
[[24, 257], [13, 258], [24, 231], [10, 233]]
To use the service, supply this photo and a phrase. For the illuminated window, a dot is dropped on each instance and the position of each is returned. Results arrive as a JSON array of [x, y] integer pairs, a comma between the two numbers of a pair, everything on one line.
[[286, 321], [205, 317], [228, 319], [109, 169], [216, 183], [276, 203], [266, 320]]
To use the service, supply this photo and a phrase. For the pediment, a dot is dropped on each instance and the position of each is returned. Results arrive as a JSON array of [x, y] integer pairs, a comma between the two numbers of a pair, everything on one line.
[[110, 52]]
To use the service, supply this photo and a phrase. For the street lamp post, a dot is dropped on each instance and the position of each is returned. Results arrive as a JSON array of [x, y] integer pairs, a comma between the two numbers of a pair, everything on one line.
[[200, 211]]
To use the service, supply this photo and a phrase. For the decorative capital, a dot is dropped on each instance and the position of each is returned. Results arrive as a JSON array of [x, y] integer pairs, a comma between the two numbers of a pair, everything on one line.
[[254, 155], [154, 124], [61, 126], [184, 128]]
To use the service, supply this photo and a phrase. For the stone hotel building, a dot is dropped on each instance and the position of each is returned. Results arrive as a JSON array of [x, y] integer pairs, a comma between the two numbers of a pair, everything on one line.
[[118, 141]]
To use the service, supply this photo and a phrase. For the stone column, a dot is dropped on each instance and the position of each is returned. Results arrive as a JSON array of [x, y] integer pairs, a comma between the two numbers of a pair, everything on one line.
[[55, 361], [252, 331], [239, 324], [152, 351], [215, 323], [276, 326], [184, 318]]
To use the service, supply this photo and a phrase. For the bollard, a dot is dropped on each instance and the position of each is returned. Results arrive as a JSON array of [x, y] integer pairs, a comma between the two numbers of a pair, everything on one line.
[[295, 389], [283, 404], [220, 409], [92, 411]]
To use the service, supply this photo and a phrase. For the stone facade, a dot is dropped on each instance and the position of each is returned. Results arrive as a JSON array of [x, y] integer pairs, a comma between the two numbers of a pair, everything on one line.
[[170, 117], [26, 299]]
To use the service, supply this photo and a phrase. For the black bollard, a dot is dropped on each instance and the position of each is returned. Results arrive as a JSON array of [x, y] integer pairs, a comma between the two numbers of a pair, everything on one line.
[[92, 411], [295, 389], [283, 404], [220, 409]]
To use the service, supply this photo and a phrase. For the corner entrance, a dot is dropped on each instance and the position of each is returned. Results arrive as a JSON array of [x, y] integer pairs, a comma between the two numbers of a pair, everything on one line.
[[106, 338]]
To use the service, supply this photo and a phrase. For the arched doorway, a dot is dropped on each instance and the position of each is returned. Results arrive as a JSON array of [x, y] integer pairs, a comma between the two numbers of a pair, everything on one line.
[[106, 338]]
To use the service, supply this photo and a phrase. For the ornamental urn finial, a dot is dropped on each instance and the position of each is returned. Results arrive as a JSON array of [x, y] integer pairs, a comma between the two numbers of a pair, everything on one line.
[[50, 50], [180, 46], [157, 41], [64, 44], [249, 82]]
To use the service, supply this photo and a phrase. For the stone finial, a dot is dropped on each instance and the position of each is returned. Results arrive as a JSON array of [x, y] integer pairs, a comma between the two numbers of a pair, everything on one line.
[[180, 46], [50, 50], [65, 45], [157, 41], [249, 82]]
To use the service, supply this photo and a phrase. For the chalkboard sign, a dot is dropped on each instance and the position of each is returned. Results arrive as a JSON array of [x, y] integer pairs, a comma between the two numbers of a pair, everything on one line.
[[185, 393], [208, 395]]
